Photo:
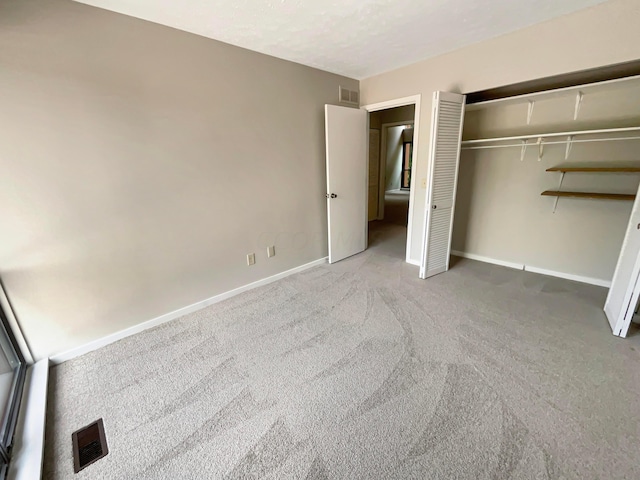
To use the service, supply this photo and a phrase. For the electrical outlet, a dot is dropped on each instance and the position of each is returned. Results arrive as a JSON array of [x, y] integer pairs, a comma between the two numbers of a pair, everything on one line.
[[423, 183], [251, 259], [271, 251]]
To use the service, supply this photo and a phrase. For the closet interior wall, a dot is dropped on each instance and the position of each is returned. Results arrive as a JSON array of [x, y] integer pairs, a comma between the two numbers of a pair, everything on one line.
[[500, 214]]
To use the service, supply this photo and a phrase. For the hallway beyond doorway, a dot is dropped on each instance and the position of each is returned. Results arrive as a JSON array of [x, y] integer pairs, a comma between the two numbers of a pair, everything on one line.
[[389, 236], [396, 207]]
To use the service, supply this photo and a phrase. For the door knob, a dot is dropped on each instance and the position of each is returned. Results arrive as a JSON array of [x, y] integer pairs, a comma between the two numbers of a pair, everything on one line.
[[434, 207], [333, 195]]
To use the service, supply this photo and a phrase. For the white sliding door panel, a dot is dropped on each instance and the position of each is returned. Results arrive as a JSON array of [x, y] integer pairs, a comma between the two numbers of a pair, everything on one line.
[[444, 158], [347, 180], [623, 295]]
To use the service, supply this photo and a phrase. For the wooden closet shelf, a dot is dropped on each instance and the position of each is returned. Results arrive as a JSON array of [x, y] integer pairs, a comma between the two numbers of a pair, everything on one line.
[[595, 169], [604, 196]]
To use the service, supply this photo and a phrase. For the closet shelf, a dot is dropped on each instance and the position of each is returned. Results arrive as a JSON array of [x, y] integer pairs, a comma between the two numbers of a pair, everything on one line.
[[595, 169], [566, 92], [593, 195], [551, 135]]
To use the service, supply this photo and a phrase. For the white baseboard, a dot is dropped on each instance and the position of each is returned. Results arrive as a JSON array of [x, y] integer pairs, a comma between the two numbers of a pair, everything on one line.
[[28, 448], [518, 266], [114, 337], [568, 276], [480, 258], [413, 262]]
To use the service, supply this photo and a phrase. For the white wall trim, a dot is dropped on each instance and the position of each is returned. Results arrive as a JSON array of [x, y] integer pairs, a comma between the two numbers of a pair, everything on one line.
[[401, 102], [569, 276], [413, 262], [528, 268], [480, 258], [28, 449], [398, 102], [114, 337]]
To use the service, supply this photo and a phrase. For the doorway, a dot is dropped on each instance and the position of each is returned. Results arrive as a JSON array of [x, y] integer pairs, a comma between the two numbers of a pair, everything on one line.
[[392, 153]]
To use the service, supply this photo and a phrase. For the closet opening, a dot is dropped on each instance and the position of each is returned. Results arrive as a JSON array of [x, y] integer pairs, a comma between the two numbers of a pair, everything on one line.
[[548, 182]]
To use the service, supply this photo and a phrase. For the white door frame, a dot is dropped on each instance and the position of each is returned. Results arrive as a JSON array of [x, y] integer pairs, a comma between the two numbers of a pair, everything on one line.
[[401, 102], [384, 130]]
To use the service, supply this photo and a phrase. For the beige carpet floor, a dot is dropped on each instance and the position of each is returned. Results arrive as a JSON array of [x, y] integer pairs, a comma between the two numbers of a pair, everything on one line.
[[360, 370], [396, 207]]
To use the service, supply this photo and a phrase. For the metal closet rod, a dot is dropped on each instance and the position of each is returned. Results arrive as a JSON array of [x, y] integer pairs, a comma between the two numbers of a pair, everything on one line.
[[511, 145], [558, 134]]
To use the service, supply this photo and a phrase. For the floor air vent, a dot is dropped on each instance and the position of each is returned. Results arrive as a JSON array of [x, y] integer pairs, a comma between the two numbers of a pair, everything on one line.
[[89, 445]]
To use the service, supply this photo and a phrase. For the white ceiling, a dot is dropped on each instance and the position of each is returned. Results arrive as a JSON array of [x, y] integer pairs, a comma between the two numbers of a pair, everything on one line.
[[356, 38]]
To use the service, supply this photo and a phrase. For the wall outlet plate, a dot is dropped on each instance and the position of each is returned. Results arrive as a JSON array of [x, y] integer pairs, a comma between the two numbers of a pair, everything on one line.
[[271, 251], [251, 259]]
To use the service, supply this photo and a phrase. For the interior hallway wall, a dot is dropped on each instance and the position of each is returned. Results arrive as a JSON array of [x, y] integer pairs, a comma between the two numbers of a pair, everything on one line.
[[376, 121], [394, 157], [597, 36], [398, 114], [140, 164]]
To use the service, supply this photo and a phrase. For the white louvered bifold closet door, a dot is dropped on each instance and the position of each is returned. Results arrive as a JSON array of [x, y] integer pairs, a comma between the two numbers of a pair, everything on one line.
[[622, 299], [444, 158]]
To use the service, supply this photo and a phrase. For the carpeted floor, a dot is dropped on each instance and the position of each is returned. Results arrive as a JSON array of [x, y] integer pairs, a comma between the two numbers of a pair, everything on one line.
[[396, 207], [360, 370]]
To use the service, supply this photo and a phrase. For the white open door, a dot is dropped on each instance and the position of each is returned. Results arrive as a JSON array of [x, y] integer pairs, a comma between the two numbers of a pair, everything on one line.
[[347, 180], [442, 178], [623, 294]]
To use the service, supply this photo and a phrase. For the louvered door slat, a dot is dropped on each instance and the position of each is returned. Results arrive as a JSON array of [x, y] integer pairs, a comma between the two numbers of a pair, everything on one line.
[[444, 157]]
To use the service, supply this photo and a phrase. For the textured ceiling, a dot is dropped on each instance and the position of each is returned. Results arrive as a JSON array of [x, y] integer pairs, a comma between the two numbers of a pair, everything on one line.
[[356, 38]]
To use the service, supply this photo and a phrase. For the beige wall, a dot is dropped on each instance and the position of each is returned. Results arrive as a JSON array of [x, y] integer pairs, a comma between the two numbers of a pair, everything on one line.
[[392, 115], [375, 120], [140, 165], [602, 35], [398, 114]]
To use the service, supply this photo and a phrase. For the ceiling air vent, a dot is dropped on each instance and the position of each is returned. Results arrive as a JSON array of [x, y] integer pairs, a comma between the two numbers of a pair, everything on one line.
[[89, 445], [350, 97]]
